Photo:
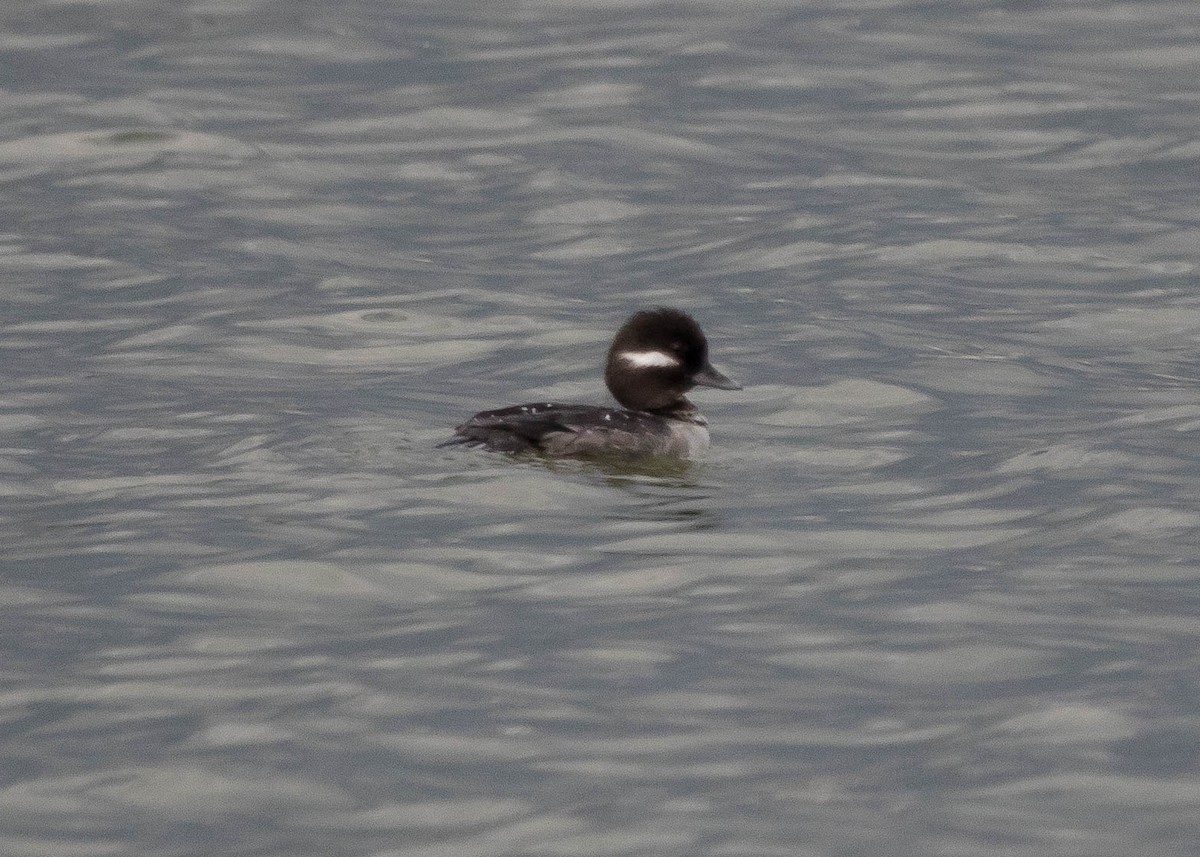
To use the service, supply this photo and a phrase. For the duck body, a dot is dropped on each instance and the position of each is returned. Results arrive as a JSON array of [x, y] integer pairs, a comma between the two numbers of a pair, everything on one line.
[[560, 430]]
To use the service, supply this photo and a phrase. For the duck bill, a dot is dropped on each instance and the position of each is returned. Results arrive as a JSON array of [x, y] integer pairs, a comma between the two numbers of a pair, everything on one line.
[[710, 377]]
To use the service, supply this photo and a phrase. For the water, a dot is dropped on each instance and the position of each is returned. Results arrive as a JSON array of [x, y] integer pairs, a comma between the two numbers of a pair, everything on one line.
[[932, 593]]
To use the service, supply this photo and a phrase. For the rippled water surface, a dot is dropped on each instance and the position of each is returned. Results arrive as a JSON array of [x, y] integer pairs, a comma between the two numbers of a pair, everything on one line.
[[933, 592]]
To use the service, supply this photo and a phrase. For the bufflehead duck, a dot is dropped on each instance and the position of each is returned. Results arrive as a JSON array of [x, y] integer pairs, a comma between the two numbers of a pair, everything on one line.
[[656, 357]]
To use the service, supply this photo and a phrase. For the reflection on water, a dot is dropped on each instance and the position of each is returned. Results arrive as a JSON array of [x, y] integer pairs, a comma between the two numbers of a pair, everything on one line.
[[932, 592]]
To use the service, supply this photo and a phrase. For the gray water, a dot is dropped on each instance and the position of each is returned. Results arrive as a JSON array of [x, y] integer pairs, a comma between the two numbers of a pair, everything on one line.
[[933, 591]]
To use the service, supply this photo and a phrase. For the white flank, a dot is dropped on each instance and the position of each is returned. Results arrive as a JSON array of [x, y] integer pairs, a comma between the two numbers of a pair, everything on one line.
[[647, 359]]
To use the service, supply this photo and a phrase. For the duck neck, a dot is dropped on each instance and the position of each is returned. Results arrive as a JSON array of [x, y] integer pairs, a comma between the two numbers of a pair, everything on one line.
[[680, 409]]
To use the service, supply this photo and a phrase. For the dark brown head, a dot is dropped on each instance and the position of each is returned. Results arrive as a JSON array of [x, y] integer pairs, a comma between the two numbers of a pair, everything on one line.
[[656, 357]]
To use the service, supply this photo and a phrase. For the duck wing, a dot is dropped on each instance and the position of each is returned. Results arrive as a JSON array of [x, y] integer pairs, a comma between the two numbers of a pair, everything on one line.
[[562, 430]]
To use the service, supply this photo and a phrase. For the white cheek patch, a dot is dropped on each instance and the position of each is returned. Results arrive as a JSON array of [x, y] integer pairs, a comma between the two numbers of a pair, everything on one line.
[[648, 359]]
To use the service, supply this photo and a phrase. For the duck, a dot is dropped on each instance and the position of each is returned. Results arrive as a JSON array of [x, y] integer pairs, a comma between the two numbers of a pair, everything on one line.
[[656, 357]]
